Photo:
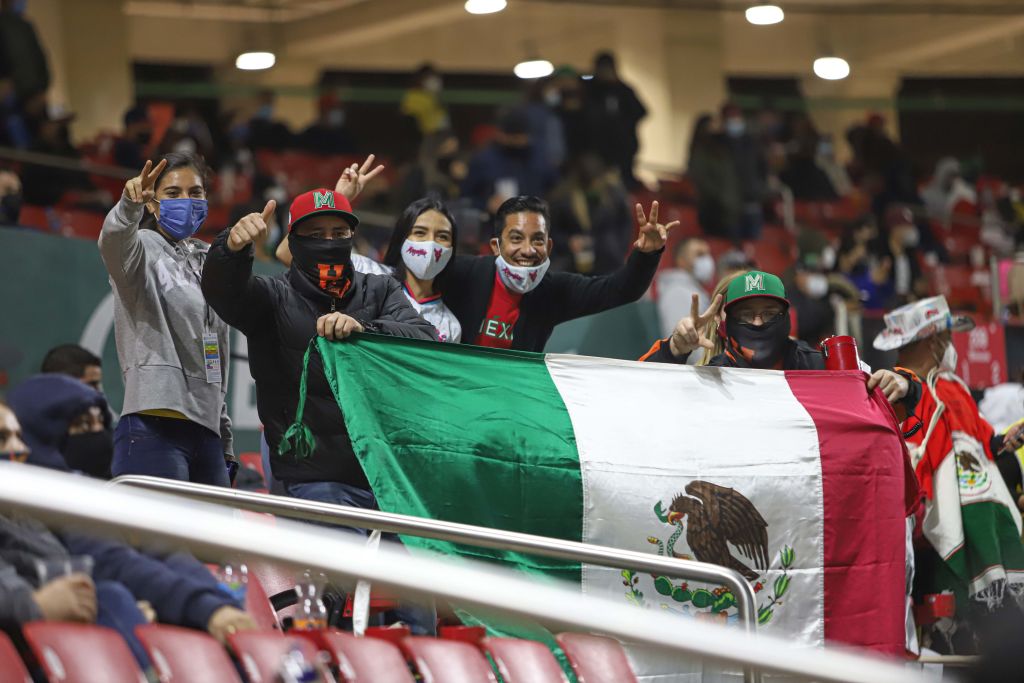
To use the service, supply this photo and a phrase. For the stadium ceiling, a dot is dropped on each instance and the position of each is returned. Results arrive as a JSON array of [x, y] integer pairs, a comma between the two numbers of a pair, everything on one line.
[[825, 7]]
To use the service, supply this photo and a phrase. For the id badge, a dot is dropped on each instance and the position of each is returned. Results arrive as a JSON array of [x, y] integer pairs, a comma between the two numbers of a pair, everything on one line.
[[211, 357]]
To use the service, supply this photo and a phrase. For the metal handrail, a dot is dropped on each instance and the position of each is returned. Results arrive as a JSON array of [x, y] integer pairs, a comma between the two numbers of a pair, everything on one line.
[[484, 537], [68, 502]]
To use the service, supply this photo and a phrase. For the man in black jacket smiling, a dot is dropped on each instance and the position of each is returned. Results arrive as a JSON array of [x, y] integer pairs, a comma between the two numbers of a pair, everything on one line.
[[512, 302]]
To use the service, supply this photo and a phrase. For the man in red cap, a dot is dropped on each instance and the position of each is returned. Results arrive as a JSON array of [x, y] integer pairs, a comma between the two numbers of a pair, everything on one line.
[[320, 294]]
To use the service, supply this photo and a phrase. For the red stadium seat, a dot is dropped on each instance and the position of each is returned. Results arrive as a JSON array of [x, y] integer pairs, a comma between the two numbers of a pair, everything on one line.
[[523, 661], [261, 652], [277, 581], [448, 661], [81, 653], [183, 655], [362, 659], [467, 634], [596, 659], [395, 636], [12, 669]]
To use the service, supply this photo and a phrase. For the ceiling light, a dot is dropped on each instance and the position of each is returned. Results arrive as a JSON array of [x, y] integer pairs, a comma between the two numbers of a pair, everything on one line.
[[485, 6], [535, 68], [831, 68], [255, 61], [765, 15]]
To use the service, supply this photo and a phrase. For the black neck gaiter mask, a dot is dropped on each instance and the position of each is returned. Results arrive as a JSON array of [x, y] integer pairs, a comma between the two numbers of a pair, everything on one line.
[[760, 347], [325, 263]]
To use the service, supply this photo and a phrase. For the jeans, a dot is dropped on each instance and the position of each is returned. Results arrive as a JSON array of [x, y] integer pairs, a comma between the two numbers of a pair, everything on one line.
[[117, 610], [169, 448], [421, 620]]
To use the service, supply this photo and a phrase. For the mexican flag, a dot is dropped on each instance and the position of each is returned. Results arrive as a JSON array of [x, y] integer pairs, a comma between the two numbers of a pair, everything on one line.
[[971, 520], [796, 479]]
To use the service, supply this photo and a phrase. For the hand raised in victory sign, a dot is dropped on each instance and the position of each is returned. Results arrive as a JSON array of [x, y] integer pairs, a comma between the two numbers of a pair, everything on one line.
[[653, 234], [140, 189], [354, 178], [250, 227], [689, 333]]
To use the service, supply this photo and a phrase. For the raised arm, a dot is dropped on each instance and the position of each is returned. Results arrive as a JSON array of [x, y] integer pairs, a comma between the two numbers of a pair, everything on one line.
[[120, 245]]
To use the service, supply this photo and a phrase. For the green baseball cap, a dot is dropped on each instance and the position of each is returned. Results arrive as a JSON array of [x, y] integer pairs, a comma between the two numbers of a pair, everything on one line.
[[755, 283]]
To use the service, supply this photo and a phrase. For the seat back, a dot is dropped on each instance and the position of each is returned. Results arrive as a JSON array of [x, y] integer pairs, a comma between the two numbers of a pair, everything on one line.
[[467, 634], [447, 661], [363, 659], [596, 659], [183, 655], [261, 652], [12, 669], [81, 653], [395, 635], [523, 661]]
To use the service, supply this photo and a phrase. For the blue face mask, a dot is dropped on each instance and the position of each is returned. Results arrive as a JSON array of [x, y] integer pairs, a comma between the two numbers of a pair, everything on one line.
[[181, 218]]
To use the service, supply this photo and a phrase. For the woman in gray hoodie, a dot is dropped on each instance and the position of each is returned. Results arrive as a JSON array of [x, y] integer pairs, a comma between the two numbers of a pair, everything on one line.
[[172, 347]]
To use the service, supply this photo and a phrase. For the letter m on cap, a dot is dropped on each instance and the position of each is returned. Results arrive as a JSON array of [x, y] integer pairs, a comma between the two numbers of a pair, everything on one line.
[[755, 281], [321, 199]]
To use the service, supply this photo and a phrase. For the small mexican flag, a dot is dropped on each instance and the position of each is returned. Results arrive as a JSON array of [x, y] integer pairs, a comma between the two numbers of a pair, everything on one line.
[[795, 479]]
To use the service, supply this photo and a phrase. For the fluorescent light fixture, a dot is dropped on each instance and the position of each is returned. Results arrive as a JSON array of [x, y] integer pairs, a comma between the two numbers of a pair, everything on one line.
[[485, 6], [587, 77], [765, 15], [831, 68], [255, 61], [535, 68]]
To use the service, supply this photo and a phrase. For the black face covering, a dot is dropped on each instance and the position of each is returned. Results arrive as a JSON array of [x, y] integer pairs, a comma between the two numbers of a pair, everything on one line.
[[10, 208], [762, 347], [325, 263], [90, 453], [518, 152]]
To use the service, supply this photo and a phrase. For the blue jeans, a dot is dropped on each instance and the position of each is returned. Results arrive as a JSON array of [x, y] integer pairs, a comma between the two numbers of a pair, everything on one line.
[[118, 610], [169, 448], [421, 620]]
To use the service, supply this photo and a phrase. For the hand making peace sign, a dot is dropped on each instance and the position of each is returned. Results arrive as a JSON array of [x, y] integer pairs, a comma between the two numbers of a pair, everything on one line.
[[140, 189], [689, 334], [653, 235], [354, 178]]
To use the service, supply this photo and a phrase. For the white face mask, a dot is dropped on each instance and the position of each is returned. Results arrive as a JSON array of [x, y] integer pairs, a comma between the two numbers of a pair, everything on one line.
[[704, 268], [911, 237], [521, 279], [425, 259], [949, 358], [433, 84], [816, 285]]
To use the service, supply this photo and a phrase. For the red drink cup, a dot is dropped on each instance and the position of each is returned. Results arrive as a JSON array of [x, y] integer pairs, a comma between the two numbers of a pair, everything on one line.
[[840, 353]]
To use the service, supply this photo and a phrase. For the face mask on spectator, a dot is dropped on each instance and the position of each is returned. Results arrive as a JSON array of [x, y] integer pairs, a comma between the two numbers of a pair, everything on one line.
[[735, 127], [521, 279], [910, 237], [90, 453], [552, 98], [325, 263], [336, 118], [433, 84], [762, 346], [816, 285], [704, 268], [425, 259], [10, 208], [181, 218]]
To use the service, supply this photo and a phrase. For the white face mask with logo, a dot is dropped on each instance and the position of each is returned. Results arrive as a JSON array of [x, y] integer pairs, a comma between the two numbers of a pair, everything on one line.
[[521, 279], [425, 259], [704, 268]]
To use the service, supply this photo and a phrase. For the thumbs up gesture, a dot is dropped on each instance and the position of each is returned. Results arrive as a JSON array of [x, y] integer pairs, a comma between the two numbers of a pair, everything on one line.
[[250, 227]]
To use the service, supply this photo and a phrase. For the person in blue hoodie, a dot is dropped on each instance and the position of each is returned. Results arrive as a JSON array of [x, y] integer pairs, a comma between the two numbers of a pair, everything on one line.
[[53, 411]]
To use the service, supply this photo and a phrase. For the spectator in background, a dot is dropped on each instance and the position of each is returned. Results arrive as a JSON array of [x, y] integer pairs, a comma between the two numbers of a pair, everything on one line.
[[859, 261], [719, 204], [262, 130], [438, 172], [174, 351], [899, 247], [694, 270], [946, 188], [591, 209], [733, 262], [423, 101], [614, 112], [748, 167], [77, 362], [507, 167], [802, 175], [543, 97], [1015, 279], [571, 111], [45, 185], [328, 134], [130, 149], [24, 74], [808, 286], [825, 158], [10, 197]]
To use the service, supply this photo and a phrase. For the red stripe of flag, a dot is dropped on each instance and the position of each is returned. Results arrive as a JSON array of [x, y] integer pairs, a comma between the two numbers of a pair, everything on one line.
[[866, 495]]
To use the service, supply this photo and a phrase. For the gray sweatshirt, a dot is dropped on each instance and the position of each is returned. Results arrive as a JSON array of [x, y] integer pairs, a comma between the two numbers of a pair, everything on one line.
[[160, 317]]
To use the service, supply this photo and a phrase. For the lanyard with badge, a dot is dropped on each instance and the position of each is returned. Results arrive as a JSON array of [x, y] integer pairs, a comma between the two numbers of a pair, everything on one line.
[[210, 342]]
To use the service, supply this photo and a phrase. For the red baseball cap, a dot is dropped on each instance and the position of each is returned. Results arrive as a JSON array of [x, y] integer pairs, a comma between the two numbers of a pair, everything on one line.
[[320, 201]]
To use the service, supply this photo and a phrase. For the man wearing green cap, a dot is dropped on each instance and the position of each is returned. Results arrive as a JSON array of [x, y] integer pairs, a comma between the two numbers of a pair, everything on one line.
[[755, 334]]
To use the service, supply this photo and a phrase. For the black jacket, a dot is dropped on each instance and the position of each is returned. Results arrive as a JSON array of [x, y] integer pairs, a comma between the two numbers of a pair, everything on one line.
[[559, 297], [278, 316]]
